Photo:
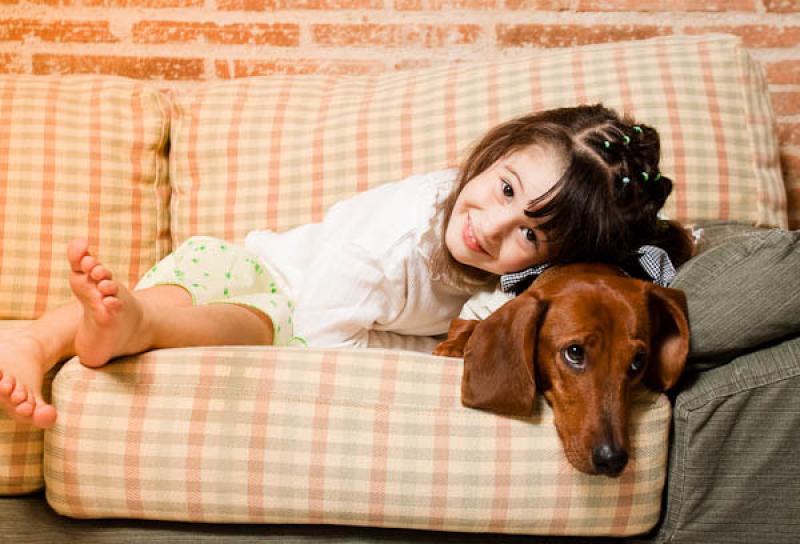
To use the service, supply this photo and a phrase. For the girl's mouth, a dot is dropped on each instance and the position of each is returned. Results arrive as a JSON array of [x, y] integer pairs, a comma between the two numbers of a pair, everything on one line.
[[469, 237]]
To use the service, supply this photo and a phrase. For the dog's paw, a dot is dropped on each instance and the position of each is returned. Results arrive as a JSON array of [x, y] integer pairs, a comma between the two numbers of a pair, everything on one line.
[[449, 349]]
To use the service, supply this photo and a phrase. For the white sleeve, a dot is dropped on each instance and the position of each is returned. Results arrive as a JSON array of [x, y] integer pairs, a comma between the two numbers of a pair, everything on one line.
[[344, 294], [392, 340]]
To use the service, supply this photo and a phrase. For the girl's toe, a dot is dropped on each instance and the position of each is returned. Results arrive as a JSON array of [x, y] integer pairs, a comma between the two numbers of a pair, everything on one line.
[[87, 264], [19, 394]]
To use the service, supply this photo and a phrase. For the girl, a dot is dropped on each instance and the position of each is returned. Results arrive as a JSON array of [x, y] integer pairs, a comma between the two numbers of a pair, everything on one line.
[[393, 263]]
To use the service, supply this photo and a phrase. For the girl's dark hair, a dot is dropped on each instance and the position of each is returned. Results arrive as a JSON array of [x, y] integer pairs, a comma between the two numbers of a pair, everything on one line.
[[604, 206]]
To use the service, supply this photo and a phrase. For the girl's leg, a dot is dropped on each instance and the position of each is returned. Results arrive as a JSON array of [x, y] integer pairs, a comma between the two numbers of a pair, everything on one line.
[[117, 321], [27, 354], [106, 321]]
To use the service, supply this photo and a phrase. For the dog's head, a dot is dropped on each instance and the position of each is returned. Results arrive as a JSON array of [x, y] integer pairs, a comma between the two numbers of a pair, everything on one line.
[[583, 335]]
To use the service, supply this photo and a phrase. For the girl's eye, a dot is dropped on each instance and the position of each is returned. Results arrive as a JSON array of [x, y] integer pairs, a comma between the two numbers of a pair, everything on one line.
[[530, 234], [508, 191]]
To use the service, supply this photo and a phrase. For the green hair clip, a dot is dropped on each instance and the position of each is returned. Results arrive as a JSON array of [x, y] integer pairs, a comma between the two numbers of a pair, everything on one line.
[[646, 176], [637, 128], [606, 144]]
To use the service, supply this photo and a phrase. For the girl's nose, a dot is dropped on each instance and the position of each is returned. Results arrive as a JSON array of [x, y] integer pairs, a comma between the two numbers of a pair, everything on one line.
[[498, 226]]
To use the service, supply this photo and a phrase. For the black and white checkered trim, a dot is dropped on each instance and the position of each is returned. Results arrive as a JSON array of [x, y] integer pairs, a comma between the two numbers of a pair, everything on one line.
[[652, 260]]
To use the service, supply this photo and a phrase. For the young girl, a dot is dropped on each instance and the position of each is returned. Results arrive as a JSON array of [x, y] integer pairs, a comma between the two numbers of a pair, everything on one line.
[[397, 261]]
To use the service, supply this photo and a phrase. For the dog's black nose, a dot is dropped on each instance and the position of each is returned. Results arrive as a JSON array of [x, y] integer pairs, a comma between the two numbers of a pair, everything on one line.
[[609, 459]]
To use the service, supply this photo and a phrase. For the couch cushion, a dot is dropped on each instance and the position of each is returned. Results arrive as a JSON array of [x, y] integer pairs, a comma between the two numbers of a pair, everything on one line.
[[362, 437], [275, 152], [79, 157]]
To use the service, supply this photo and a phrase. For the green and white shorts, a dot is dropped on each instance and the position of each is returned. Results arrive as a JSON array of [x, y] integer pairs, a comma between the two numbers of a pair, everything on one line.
[[214, 272]]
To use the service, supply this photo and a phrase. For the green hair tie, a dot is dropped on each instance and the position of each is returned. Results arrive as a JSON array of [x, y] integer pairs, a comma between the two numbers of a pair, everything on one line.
[[645, 175], [626, 180], [658, 176], [637, 128], [626, 138], [606, 144]]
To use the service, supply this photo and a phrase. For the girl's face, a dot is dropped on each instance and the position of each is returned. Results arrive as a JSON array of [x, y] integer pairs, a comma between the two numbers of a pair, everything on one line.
[[488, 228]]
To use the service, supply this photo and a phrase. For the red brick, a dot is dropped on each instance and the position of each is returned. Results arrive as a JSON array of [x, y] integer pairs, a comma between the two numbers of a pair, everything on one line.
[[439, 5], [11, 64], [269, 5], [542, 5], [121, 3], [784, 72], [756, 35], [227, 69], [786, 103], [789, 134], [134, 67], [782, 6], [241, 34], [395, 35], [667, 5], [790, 164], [569, 35], [245, 5], [20, 30]]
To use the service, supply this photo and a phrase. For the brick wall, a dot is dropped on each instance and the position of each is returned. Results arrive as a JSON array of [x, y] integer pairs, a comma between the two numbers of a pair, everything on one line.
[[182, 41]]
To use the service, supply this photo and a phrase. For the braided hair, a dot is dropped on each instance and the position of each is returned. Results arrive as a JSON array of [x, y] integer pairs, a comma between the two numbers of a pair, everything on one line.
[[606, 204]]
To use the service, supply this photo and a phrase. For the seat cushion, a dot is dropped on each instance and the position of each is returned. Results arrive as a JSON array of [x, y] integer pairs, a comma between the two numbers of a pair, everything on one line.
[[275, 152], [79, 157], [361, 437]]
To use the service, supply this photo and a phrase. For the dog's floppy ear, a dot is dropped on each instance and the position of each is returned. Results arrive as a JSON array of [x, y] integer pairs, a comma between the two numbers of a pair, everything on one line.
[[670, 337], [498, 359], [457, 336]]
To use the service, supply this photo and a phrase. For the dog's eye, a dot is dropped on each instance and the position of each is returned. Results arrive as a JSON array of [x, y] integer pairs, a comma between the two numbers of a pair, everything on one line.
[[639, 360], [573, 355]]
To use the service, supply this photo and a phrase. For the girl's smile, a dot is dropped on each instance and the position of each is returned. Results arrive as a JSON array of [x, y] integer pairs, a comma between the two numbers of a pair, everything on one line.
[[488, 228], [469, 238]]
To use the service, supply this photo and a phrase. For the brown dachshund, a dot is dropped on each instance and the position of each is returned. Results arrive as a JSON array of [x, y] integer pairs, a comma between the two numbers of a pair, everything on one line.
[[585, 335]]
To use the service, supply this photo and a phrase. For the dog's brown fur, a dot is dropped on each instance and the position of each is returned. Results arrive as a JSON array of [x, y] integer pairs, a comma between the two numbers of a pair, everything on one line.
[[526, 345]]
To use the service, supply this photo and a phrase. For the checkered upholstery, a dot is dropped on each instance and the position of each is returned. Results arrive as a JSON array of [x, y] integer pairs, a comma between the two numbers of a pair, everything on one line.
[[79, 157], [365, 437], [372, 437], [275, 152]]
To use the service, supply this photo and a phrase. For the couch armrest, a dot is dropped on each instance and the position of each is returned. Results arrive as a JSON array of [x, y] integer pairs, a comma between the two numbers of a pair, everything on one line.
[[734, 475]]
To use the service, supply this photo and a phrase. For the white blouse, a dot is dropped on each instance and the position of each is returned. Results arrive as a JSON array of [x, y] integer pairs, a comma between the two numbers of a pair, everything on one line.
[[362, 276]]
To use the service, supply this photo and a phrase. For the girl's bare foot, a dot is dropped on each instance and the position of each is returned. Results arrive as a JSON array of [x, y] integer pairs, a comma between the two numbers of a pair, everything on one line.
[[22, 367], [114, 321]]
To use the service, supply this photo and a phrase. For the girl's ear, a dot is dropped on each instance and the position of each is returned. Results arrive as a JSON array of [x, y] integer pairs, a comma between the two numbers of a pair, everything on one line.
[[498, 359], [669, 338]]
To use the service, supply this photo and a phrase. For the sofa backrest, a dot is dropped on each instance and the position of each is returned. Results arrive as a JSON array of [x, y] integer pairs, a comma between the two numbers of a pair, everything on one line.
[[79, 157], [87, 156], [275, 152]]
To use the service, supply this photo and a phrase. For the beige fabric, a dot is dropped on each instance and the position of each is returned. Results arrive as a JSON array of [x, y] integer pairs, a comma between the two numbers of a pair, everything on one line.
[[79, 157], [275, 152], [366, 437]]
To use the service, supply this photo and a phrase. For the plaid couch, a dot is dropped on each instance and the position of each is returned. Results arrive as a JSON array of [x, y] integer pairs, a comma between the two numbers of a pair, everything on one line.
[[372, 437]]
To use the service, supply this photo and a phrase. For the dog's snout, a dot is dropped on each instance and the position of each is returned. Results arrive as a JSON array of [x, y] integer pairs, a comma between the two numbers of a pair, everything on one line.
[[609, 459]]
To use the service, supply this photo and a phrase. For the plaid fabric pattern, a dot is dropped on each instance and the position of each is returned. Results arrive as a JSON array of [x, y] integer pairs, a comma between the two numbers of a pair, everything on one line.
[[79, 157], [367, 437], [276, 152]]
